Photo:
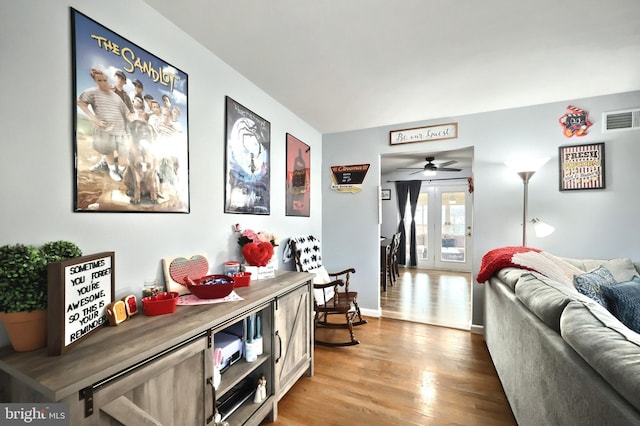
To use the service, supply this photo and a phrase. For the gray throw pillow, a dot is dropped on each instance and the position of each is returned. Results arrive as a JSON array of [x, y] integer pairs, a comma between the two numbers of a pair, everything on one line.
[[590, 284], [624, 302]]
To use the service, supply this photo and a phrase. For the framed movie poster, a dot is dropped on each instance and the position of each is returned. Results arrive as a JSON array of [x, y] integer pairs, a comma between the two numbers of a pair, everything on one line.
[[247, 169], [131, 144], [582, 166], [298, 177]]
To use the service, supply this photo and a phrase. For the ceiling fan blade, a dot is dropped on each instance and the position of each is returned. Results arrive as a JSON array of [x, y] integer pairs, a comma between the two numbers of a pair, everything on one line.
[[446, 163], [415, 173], [409, 168], [448, 169]]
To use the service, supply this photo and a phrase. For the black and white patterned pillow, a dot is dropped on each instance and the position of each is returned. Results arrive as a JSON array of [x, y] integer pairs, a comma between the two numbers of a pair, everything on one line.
[[308, 251]]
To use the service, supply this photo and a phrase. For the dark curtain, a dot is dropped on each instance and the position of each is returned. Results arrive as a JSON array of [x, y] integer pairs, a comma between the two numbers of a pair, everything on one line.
[[402, 191], [414, 193]]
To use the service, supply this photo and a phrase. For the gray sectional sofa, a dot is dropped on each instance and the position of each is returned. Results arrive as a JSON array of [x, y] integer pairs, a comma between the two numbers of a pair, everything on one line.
[[562, 358]]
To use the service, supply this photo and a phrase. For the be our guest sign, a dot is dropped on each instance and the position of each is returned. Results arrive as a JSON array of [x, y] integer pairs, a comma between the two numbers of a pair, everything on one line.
[[422, 134], [79, 291]]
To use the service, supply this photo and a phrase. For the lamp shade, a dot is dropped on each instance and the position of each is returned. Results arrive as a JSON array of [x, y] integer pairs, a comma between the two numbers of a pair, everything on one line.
[[542, 229]]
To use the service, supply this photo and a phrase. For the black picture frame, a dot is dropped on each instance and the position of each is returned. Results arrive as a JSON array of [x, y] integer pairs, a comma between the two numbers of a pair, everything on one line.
[[582, 167], [385, 194], [127, 158], [247, 161]]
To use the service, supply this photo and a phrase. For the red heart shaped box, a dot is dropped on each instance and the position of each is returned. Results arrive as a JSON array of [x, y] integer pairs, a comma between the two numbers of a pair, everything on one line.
[[257, 254]]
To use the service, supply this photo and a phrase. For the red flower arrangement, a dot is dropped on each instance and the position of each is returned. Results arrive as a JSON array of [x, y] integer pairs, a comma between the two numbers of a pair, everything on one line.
[[257, 247]]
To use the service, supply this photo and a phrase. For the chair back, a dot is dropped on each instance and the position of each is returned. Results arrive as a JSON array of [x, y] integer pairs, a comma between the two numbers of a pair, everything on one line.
[[395, 244]]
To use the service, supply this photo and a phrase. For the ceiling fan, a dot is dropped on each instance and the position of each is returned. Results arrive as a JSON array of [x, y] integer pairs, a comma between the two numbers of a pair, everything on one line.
[[430, 168]]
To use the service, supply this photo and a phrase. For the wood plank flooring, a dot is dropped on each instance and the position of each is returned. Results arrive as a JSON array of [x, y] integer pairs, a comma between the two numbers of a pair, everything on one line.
[[429, 296], [402, 373]]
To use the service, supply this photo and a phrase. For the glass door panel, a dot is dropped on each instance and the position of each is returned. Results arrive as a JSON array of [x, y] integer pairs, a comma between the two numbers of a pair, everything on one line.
[[422, 229], [453, 227], [443, 228]]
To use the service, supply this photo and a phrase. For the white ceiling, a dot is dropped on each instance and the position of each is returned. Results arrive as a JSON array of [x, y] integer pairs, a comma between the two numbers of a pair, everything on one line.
[[351, 64], [344, 65]]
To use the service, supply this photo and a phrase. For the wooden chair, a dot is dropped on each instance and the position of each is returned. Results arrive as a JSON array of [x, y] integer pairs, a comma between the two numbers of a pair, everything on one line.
[[392, 259], [395, 245], [328, 298]]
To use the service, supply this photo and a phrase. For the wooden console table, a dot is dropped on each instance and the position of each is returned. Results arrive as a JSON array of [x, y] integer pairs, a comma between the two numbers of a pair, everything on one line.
[[159, 369]]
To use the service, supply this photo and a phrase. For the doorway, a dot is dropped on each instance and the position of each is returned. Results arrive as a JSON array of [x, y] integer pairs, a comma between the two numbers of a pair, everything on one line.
[[438, 290]]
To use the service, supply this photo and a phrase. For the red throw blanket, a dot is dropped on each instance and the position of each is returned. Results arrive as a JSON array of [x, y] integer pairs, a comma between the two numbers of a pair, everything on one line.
[[499, 258]]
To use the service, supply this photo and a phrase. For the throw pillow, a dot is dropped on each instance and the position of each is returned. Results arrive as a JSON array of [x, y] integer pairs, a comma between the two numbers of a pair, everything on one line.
[[624, 302], [590, 284], [322, 277]]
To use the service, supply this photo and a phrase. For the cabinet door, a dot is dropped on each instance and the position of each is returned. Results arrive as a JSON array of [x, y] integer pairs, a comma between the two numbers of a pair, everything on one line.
[[169, 390], [292, 338]]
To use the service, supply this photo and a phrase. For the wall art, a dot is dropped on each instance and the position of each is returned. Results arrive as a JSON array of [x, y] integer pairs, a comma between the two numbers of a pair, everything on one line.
[[575, 122], [424, 134], [130, 120], [349, 178], [582, 166], [247, 171], [298, 191]]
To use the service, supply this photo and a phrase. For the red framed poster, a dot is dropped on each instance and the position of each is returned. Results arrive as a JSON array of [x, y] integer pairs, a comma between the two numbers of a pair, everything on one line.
[[298, 199]]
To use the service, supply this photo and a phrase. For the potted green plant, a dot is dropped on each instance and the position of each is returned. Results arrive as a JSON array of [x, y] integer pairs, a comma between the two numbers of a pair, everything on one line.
[[23, 289]]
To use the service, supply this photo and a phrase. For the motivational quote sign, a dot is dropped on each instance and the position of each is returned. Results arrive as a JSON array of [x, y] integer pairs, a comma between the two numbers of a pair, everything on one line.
[[79, 291]]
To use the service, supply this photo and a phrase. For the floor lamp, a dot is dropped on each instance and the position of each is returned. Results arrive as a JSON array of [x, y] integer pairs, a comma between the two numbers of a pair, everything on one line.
[[525, 169]]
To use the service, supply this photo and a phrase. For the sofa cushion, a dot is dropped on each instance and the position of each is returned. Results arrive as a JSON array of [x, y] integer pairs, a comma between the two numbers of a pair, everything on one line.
[[609, 347], [622, 269], [510, 276], [546, 298], [624, 302], [590, 284]]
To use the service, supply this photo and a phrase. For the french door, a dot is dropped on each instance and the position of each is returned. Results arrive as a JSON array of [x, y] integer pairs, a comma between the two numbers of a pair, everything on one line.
[[443, 228]]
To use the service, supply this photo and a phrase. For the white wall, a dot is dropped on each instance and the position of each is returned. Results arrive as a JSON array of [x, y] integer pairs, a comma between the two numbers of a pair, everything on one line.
[[37, 171], [593, 223]]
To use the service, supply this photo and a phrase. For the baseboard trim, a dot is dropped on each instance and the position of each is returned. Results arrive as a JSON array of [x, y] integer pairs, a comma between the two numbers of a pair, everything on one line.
[[477, 329], [374, 313]]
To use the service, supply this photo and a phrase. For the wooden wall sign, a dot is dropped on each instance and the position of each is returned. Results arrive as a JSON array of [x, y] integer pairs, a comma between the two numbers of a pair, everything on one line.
[[79, 291], [424, 134]]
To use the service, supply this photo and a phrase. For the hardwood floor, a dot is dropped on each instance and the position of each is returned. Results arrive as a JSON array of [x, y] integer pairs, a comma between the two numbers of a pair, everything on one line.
[[429, 296], [402, 373]]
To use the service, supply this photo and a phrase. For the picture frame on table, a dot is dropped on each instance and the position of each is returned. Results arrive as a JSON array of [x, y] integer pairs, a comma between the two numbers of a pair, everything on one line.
[[582, 167], [247, 161], [130, 121], [298, 188]]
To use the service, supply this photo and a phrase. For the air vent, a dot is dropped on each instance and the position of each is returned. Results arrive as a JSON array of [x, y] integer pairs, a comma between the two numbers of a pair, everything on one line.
[[616, 121]]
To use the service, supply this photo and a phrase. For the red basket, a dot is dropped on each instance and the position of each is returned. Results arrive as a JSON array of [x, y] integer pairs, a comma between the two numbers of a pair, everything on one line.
[[241, 279], [212, 286], [160, 304]]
